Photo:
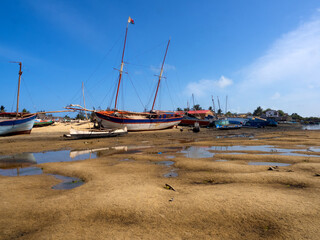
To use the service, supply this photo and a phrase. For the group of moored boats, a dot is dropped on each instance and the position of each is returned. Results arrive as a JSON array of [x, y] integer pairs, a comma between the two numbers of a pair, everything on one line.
[[117, 122]]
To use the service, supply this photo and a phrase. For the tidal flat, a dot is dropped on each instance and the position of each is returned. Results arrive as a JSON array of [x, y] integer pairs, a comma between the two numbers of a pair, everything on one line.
[[217, 190]]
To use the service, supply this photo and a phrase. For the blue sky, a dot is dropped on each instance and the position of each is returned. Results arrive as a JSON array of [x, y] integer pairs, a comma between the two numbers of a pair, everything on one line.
[[259, 53]]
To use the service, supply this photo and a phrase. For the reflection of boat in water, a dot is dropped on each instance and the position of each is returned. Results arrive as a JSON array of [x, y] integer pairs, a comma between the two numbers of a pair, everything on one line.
[[16, 123], [21, 162], [17, 160], [74, 154]]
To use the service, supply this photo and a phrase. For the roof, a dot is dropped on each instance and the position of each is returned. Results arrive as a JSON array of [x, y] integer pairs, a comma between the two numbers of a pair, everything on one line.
[[200, 112]]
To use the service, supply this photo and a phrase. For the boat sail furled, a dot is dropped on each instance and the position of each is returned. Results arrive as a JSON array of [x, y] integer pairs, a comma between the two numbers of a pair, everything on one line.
[[134, 121], [16, 123]]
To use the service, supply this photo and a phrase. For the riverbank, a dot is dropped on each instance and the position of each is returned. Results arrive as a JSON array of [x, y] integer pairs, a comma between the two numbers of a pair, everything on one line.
[[217, 195]]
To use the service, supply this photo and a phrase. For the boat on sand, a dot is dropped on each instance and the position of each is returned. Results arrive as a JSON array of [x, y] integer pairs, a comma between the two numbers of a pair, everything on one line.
[[78, 134], [16, 123], [137, 121]]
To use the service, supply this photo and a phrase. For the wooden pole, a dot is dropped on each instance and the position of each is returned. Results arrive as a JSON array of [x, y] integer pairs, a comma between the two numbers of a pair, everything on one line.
[[84, 102], [20, 73], [121, 68], [160, 76]]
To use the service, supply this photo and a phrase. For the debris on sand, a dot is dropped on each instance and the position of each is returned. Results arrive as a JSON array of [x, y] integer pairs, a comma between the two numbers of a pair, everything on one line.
[[273, 168], [167, 186]]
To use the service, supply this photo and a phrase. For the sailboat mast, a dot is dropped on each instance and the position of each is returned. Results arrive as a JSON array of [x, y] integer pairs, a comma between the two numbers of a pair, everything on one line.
[[122, 64], [160, 76], [84, 102], [226, 104], [20, 73]]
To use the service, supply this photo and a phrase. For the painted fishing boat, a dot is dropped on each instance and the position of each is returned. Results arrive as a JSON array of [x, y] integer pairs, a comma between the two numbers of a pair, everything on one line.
[[16, 123], [42, 123], [77, 134], [190, 118], [137, 121], [224, 124], [256, 122]]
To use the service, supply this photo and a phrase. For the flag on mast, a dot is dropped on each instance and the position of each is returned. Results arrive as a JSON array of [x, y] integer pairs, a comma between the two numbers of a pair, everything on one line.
[[130, 20]]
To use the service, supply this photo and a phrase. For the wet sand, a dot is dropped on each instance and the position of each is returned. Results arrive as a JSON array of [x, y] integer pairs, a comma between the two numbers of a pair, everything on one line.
[[124, 194]]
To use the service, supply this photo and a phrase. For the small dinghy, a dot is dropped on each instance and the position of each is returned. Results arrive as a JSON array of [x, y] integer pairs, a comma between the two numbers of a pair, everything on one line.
[[77, 134]]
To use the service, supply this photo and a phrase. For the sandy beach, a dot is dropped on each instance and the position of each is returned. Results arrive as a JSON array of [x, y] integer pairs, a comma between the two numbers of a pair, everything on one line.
[[215, 195]]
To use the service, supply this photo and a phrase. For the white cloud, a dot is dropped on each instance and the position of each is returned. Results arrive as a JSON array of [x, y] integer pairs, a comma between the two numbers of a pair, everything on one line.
[[290, 69], [205, 87], [276, 96]]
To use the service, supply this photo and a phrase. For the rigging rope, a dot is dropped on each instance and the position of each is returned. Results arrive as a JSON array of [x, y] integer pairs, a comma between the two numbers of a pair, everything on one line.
[[25, 86], [136, 91]]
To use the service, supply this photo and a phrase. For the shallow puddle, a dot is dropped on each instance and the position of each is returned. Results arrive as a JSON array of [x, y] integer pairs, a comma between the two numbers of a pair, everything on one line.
[[67, 182], [236, 136], [269, 164], [166, 163], [196, 152], [205, 151], [171, 174], [311, 127], [170, 157], [24, 171]]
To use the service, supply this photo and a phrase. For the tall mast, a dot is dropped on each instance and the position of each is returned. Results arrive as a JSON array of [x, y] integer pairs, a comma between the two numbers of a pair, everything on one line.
[[219, 104], [122, 64], [226, 104], [84, 102], [20, 73], [160, 76], [193, 101], [214, 107]]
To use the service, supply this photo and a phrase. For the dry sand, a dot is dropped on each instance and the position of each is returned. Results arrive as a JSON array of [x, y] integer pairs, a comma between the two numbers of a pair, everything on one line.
[[127, 199]]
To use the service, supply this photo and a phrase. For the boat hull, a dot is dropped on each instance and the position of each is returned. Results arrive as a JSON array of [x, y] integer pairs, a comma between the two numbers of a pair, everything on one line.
[[75, 134], [108, 121], [191, 122], [17, 126]]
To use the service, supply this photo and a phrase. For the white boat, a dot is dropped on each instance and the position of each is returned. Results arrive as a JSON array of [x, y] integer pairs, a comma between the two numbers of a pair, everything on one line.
[[16, 123], [77, 134], [135, 121]]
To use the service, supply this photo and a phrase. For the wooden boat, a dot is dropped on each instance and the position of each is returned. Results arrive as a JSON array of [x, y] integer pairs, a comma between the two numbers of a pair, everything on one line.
[[190, 119], [42, 123], [16, 123], [134, 121], [77, 134], [223, 124]]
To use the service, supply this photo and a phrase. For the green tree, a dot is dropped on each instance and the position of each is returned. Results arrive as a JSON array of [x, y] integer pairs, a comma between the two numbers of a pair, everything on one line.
[[268, 109], [2, 108], [258, 111], [229, 114], [80, 115], [179, 109], [219, 111], [197, 107], [25, 111], [210, 108], [186, 109], [281, 113], [296, 116]]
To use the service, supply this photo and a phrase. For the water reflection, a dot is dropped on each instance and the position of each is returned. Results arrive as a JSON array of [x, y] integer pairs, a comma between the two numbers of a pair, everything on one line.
[[269, 164], [67, 182], [311, 127], [18, 165]]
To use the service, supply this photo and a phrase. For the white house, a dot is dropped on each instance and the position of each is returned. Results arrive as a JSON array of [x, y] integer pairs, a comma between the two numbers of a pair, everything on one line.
[[272, 113]]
